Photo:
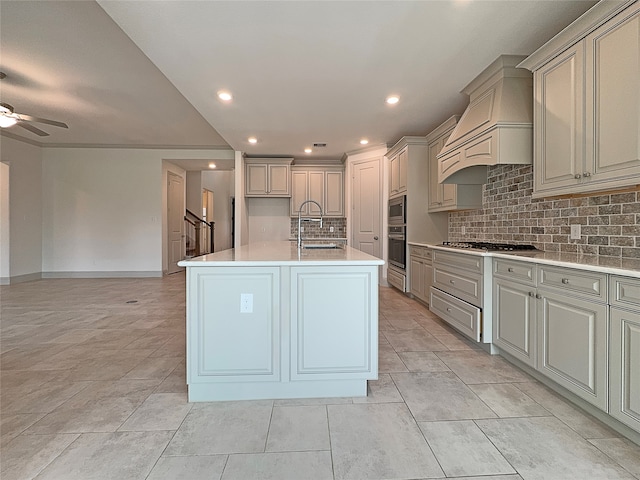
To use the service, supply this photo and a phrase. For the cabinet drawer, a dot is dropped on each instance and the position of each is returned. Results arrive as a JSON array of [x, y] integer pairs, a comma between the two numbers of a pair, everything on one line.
[[470, 262], [624, 292], [579, 282], [396, 279], [519, 271], [455, 312], [418, 251], [467, 287]]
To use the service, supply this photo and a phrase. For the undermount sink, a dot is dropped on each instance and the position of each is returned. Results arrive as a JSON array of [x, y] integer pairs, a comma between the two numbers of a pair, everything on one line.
[[320, 245]]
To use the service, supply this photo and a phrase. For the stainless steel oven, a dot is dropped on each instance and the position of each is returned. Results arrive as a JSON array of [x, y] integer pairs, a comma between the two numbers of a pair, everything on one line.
[[398, 210], [397, 246]]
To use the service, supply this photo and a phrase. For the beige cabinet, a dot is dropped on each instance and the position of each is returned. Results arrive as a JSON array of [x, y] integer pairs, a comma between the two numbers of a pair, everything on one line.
[[448, 197], [572, 331], [324, 185], [624, 356], [398, 172], [586, 108], [420, 272], [514, 309], [267, 177]]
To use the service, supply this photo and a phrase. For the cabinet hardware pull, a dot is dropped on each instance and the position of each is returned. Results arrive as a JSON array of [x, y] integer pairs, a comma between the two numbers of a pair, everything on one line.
[[565, 281], [586, 174], [452, 282], [448, 309], [510, 270], [531, 294], [538, 295], [577, 175]]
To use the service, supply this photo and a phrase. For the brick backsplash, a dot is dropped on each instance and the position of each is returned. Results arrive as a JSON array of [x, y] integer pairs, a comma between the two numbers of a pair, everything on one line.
[[312, 229], [610, 223]]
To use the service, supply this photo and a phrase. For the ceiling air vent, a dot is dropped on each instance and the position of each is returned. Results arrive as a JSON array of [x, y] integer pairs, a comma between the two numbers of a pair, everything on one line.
[[319, 145]]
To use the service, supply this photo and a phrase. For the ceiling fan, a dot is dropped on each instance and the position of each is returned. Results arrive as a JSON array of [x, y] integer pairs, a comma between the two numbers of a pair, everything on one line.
[[8, 118]]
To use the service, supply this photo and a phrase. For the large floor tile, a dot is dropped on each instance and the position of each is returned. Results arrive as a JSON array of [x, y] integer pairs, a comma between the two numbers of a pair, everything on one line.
[[389, 361], [417, 340], [477, 366], [26, 455], [38, 398], [382, 390], [583, 423], [439, 396], [13, 425], [279, 466], [378, 441], [108, 456], [462, 449], [160, 411], [224, 427], [201, 467], [298, 429], [545, 448], [423, 362], [507, 400], [623, 451], [156, 367]]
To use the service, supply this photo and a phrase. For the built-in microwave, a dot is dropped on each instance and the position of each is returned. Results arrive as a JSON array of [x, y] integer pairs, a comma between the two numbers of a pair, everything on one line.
[[398, 210]]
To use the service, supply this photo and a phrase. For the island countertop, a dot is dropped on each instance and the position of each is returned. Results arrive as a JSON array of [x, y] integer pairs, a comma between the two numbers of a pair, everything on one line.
[[282, 253]]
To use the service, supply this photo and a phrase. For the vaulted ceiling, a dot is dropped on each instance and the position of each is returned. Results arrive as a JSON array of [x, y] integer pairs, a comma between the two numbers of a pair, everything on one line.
[[147, 73]]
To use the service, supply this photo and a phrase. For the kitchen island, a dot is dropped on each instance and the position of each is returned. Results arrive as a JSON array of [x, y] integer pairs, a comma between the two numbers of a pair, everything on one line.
[[270, 320]]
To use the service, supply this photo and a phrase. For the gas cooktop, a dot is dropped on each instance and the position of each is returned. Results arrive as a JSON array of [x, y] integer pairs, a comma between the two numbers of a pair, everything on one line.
[[490, 247]]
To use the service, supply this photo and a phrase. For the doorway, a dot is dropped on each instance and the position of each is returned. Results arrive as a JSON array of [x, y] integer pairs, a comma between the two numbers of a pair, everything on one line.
[[366, 188], [175, 221]]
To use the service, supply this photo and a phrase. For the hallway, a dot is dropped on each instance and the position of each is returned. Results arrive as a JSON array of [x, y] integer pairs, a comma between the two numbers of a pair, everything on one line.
[[93, 387]]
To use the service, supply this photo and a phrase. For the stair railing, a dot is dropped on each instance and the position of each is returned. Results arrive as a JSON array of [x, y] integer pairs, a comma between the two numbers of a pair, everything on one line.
[[199, 234]]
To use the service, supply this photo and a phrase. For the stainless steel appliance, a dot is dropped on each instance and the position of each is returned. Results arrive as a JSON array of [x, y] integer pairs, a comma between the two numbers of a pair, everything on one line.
[[397, 246], [398, 210]]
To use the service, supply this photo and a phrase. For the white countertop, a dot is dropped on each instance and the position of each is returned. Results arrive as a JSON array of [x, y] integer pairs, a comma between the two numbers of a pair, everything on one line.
[[282, 253], [628, 267]]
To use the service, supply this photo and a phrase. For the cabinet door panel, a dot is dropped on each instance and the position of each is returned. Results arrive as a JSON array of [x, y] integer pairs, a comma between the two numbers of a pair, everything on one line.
[[514, 320], [558, 120], [256, 180], [402, 170], [625, 367], [435, 188], [279, 179], [416, 286], [572, 341], [316, 191], [299, 192], [334, 197], [613, 110]]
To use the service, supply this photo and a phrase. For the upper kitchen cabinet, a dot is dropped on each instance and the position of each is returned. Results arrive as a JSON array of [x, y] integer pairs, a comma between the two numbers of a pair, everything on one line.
[[587, 103], [447, 197], [267, 177], [322, 184], [398, 172]]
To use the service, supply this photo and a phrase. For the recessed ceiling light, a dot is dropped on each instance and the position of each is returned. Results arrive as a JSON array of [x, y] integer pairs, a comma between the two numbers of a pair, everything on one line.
[[253, 140], [212, 165], [225, 96], [364, 141], [392, 100], [307, 150]]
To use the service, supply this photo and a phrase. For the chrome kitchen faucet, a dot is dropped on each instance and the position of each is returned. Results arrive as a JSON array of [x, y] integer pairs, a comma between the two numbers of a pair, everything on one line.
[[300, 219]]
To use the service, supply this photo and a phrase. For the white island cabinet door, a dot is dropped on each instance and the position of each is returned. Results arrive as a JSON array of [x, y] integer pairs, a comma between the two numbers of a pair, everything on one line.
[[234, 325], [334, 323]]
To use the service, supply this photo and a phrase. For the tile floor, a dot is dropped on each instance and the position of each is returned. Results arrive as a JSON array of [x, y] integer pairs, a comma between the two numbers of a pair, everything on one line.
[[93, 387]]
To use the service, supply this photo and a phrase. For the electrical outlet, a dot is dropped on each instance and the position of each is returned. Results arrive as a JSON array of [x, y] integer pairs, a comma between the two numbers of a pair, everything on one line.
[[246, 303], [464, 230], [301, 229], [575, 231], [331, 229]]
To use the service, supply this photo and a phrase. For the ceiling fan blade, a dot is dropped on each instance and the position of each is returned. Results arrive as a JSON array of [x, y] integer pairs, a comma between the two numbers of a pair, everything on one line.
[[32, 129], [30, 118]]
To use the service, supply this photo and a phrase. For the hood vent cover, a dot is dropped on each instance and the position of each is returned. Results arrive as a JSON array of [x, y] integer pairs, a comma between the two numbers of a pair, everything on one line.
[[496, 128]]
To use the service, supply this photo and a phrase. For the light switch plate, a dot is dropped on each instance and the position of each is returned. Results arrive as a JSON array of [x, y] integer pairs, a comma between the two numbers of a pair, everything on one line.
[[246, 303]]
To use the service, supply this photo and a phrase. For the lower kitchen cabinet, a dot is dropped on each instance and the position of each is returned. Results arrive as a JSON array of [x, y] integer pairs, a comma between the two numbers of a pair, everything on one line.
[[625, 367], [420, 272], [572, 345], [514, 327]]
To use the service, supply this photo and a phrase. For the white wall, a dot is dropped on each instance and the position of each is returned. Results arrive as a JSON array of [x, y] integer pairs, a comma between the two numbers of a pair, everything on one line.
[[25, 207], [5, 259], [269, 219], [221, 183], [194, 192], [102, 211]]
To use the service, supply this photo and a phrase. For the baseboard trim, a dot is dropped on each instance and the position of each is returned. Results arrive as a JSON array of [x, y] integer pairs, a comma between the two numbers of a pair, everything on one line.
[[107, 274], [27, 277]]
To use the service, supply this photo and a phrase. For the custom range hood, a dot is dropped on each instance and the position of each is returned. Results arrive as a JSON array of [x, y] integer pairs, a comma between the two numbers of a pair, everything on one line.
[[497, 126]]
